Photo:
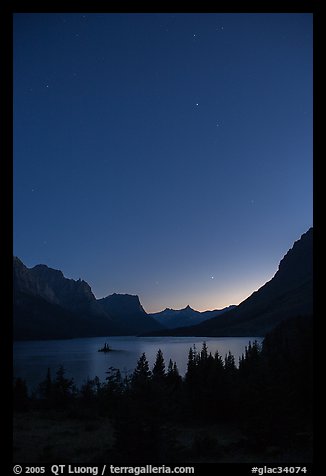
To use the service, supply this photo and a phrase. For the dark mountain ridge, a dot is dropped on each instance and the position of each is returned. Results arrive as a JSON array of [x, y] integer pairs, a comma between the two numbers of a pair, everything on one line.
[[128, 310], [49, 306], [173, 318], [51, 285], [288, 294]]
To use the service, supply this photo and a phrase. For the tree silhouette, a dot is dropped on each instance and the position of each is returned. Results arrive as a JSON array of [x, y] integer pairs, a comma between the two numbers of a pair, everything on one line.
[[46, 387], [141, 374], [63, 388], [204, 352], [170, 368], [191, 366], [268, 398], [159, 367], [141, 378], [229, 363], [90, 390], [173, 376]]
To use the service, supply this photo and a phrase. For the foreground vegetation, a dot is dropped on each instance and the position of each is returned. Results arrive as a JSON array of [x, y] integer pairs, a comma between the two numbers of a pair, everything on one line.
[[260, 410]]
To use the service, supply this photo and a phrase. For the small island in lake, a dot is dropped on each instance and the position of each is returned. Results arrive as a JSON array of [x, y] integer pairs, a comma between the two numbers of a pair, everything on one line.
[[106, 348]]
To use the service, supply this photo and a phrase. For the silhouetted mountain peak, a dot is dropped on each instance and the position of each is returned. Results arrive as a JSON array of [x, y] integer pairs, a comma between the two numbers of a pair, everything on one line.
[[129, 311], [172, 318], [288, 294], [290, 263], [18, 262], [51, 285], [122, 303], [19, 266], [48, 305], [45, 271]]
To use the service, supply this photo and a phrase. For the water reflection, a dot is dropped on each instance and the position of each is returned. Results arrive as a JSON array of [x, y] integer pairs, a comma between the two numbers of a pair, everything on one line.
[[81, 358]]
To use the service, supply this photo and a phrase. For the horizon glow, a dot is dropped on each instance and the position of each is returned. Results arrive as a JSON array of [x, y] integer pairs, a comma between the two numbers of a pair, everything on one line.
[[147, 159]]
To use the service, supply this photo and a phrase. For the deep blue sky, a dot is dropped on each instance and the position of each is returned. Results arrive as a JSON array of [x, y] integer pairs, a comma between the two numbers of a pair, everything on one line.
[[164, 155]]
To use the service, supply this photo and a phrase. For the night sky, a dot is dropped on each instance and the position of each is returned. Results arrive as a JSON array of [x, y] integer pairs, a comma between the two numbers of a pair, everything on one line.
[[164, 155]]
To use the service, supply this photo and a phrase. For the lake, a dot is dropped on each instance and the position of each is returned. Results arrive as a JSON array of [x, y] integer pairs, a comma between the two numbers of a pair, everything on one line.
[[81, 359]]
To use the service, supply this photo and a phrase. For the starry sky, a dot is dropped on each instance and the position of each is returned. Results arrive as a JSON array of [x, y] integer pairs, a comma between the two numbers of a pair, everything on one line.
[[164, 155]]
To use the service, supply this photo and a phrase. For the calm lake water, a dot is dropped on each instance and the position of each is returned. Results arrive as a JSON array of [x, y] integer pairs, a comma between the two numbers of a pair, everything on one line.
[[81, 359]]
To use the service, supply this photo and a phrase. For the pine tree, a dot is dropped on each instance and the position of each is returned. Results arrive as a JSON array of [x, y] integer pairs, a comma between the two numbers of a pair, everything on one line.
[[64, 389], [190, 359], [196, 355], [173, 376], [176, 372], [229, 363], [115, 385], [204, 352], [251, 358], [159, 366], [218, 361], [141, 375], [191, 365], [90, 390], [170, 368], [46, 387]]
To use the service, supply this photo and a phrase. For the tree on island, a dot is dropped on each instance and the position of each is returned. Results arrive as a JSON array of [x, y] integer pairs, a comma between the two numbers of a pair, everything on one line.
[[268, 398]]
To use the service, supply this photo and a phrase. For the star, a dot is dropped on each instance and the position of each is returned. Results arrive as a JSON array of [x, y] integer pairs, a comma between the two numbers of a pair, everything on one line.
[[212, 277], [197, 104]]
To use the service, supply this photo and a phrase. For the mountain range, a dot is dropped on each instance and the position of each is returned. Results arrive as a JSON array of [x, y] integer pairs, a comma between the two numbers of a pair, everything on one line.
[[288, 294], [47, 305], [173, 318]]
